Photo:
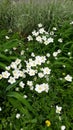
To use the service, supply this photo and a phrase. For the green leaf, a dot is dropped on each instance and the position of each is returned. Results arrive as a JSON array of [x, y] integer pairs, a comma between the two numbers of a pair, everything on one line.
[[12, 85], [18, 105], [21, 99]]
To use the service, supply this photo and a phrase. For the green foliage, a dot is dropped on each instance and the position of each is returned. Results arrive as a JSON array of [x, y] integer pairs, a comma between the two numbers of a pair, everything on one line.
[[24, 17], [21, 107]]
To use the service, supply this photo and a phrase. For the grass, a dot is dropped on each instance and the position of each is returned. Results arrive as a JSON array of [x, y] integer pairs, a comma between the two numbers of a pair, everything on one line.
[[24, 17]]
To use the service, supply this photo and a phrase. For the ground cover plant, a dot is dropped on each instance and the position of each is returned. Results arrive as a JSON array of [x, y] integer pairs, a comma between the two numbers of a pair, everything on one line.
[[36, 65], [36, 79]]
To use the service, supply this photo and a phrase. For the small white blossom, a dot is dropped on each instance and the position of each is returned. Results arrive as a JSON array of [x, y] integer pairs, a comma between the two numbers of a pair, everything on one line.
[[71, 22], [68, 78], [55, 54], [13, 65], [48, 54], [39, 39], [69, 53], [58, 109], [46, 42], [54, 28], [60, 40], [40, 75], [41, 88], [11, 80], [63, 127], [7, 67], [14, 48], [0, 109], [22, 52], [44, 38], [52, 33], [59, 51], [46, 70], [34, 33], [17, 88], [50, 40], [21, 84], [30, 83], [25, 96], [17, 61], [41, 30], [5, 74], [7, 37], [6, 50], [30, 38], [40, 25], [17, 115], [32, 54]]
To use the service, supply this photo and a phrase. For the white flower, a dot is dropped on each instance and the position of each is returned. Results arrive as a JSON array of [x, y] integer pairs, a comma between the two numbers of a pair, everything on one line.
[[13, 65], [21, 129], [30, 38], [52, 33], [31, 87], [32, 54], [60, 40], [11, 80], [68, 78], [39, 88], [30, 83], [34, 33], [16, 73], [59, 51], [17, 61], [69, 53], [58, 109], [50, 40], [0, 76], [63, 127], [22, 52], [42, 87], [17, 115], [21, 74], [7, 67], [46, 42], [48, 54], [7, 37], [21, 84], [39, 39], [6, 50], [54, 28], [0, 109], [25, 96], [14, 48], [40, 25], [55, 54], [71, 22], [43, 59], [44, 38], [5, 74], [20, 65], [41, 30], [17, 88], [40, 75], [32, 72], [46, 87], [46, 70]]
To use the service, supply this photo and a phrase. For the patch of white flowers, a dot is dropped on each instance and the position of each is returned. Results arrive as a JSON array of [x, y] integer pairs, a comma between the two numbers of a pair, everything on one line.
[[41, 35]]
